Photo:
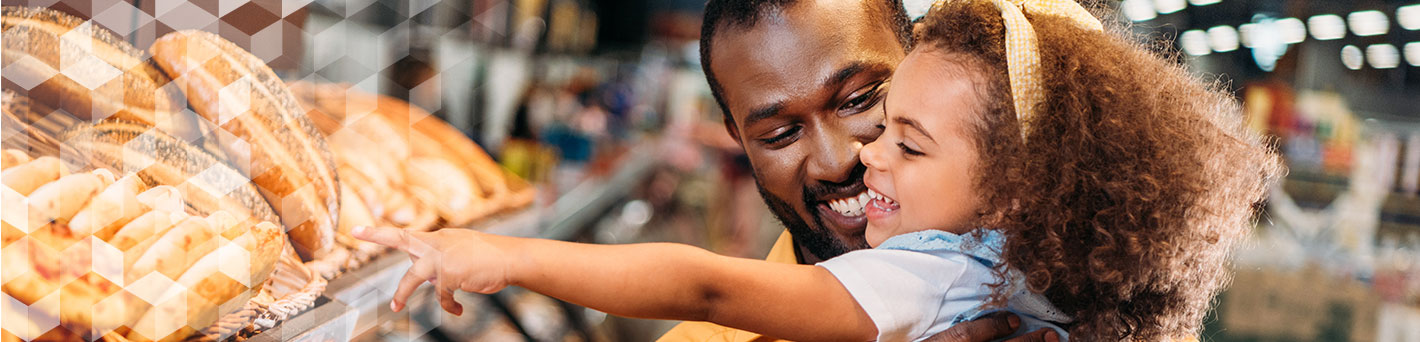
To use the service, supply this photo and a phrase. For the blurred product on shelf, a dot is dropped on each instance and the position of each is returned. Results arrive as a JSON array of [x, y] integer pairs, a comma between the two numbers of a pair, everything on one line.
[[1344, 223], [443, 168], [1299, 305]]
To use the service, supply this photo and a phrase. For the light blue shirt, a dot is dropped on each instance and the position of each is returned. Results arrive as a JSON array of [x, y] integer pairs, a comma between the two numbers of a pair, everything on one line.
[[918, 284]]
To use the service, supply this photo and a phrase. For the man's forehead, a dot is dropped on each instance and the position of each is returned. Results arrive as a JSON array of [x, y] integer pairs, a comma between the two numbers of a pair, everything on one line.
[[800, 50]]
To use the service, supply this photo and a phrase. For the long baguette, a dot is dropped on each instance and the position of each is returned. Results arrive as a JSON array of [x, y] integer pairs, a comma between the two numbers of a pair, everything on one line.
[[30, 128], [279, 147], [452, 189], [150, 225], [27, 177], [353, 213], [58, 201], [87, 304], [14, 157], [113, 207], [14, 215], [207, 184], [88, 71], [164, 197], [364, 147], [177, 249], [212, 291]]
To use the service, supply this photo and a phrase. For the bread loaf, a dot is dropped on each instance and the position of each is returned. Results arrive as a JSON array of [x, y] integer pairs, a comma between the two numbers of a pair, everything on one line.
[[208, 290], [27, 177], [271, 139], [59, 200], [92, 74], [176, 250], [13, 157], [208, 184], [112, 208]]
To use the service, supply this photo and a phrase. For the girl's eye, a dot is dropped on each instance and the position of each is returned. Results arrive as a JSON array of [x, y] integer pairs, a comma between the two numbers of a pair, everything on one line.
[[863, 99], [908, 150], [781, 137]]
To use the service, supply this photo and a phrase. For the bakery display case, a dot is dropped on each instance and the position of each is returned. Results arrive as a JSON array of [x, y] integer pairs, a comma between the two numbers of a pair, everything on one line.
[[168, 178]]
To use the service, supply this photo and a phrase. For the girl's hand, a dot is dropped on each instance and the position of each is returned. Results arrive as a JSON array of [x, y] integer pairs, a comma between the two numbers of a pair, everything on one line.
[[450, 259]]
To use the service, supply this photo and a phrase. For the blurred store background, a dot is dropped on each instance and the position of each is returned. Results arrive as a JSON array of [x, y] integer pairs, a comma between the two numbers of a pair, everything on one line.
[[602, 103], [1336, 256]]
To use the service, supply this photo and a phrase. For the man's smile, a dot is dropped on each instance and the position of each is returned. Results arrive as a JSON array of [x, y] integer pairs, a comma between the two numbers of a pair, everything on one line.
[[842, 209]]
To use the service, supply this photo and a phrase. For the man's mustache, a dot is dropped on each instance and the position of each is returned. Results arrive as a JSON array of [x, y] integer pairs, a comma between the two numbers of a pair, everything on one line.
[[817, 191]]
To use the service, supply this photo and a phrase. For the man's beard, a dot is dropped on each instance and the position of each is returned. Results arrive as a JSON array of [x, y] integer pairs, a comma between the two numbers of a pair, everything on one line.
[[823, 243]]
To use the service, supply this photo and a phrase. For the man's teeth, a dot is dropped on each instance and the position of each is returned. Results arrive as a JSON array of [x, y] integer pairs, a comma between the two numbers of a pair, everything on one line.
[[877, 196], [851, 206]]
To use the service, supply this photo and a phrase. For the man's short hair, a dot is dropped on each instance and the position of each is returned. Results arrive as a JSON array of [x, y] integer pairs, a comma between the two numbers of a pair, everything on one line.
[[743, 14]]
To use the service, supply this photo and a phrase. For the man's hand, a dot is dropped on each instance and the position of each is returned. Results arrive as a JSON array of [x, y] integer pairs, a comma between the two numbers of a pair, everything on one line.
[[474, 265], [992, 327]]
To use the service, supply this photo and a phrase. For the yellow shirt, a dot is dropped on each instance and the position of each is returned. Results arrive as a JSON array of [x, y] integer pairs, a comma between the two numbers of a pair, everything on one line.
[[782, 252]]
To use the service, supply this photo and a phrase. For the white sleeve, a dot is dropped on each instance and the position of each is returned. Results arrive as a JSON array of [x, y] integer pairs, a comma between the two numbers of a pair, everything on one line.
[[902, 291]]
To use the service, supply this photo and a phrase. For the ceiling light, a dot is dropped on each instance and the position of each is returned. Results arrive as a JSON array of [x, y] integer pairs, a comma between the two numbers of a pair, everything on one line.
[[1383, 56], [1169, 6], [1138, 10], [1292, 30], [1194, 43], [1327, 27], [1412, 53], [1351, 56], [1368, 23], [1248, 32], [1223, 38], [1409, 17]]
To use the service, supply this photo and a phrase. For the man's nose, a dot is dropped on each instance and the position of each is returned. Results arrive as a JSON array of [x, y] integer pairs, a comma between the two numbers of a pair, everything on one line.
[[833, 158]]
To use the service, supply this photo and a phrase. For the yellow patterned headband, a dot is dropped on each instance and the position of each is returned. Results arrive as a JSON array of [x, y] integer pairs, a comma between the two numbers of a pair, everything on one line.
[[1022, 48]]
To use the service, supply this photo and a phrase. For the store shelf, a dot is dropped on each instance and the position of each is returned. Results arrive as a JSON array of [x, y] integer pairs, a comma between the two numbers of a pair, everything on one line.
[[328, 321], [359, 300]]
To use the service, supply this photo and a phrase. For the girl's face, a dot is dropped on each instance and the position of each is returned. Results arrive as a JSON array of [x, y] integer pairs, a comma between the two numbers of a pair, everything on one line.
[[919, 170]]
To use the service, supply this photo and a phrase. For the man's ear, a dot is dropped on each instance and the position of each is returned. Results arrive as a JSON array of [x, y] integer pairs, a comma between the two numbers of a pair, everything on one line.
[[732, 129]]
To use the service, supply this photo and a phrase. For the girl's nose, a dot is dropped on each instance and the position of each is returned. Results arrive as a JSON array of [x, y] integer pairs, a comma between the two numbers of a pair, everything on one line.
[[871, 157]]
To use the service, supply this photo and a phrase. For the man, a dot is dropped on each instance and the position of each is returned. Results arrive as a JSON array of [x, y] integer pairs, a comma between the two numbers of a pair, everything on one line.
[[801, 82]]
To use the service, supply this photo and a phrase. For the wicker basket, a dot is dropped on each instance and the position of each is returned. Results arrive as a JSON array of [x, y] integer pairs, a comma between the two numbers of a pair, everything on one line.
[[291, 288]]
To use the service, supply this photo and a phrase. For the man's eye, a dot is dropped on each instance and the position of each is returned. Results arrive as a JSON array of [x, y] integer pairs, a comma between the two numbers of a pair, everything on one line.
[[781, 137], [862, 100], [908, 150]]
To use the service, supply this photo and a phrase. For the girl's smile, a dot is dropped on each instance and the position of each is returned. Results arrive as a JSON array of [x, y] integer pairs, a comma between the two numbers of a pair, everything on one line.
[[879, 206], [920, 171]]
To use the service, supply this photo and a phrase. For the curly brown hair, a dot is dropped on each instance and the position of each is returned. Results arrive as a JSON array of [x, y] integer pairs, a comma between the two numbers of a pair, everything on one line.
[[1125, 199]]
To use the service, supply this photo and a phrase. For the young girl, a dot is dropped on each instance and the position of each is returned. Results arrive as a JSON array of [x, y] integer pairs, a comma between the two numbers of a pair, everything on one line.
[[1030, 162]]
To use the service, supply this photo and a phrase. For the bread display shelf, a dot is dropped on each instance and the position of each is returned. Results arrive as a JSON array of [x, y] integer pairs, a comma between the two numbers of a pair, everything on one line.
[[366, 291], [215, 129], [175, 117]]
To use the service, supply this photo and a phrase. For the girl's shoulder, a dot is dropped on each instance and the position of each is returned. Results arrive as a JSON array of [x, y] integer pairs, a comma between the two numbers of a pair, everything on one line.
[[982, 245]]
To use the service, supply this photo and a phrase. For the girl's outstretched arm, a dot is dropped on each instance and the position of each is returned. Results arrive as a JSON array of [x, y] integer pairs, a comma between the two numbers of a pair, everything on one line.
[[653, 280]]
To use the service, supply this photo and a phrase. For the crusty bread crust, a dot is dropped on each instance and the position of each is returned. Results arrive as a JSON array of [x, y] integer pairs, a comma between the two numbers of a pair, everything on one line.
[[272, 140]]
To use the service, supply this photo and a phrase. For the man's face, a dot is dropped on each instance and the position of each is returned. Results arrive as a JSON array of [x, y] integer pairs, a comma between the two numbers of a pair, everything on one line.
[[804, 88]]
